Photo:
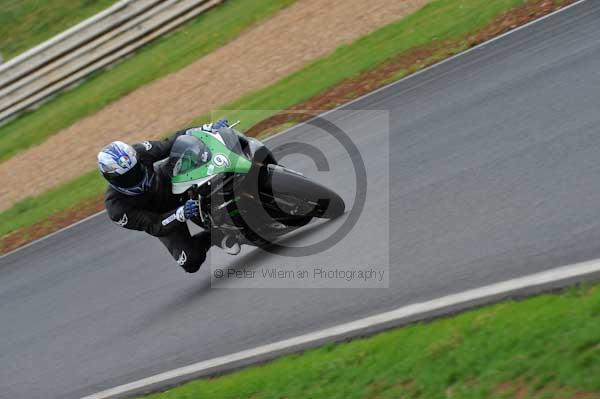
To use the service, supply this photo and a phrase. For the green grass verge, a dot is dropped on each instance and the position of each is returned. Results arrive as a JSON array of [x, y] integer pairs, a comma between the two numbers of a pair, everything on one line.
[[440, 20], [167, 54], [544, 347], [66, 196], [27, 23]]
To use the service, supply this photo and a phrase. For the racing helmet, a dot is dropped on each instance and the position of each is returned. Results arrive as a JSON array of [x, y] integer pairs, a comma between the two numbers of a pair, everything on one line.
[[118, 162]]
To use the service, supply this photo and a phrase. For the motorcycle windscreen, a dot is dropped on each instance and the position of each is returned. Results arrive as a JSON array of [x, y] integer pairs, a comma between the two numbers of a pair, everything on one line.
[[187, 154]]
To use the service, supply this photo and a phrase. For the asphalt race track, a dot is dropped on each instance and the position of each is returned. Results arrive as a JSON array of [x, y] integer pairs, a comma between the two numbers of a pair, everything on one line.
[[493, 162]]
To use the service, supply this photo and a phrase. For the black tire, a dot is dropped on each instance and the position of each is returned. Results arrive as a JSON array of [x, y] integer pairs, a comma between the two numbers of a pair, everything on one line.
[[284, 184], [298, 221]]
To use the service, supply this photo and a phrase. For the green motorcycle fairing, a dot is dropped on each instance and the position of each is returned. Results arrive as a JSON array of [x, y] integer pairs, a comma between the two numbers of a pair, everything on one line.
[[190, 171]]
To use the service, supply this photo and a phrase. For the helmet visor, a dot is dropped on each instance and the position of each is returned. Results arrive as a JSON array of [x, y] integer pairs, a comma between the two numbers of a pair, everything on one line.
[[130, 179]]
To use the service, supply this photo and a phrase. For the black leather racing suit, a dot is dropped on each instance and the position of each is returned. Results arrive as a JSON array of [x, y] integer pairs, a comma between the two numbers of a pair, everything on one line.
[[154, 210]]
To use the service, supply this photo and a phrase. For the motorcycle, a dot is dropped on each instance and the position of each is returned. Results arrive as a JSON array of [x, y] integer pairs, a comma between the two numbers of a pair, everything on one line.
[[243, 192]]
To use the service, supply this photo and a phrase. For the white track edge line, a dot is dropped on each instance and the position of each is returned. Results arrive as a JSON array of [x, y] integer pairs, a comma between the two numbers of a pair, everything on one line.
[[381, 320], [415, 74]]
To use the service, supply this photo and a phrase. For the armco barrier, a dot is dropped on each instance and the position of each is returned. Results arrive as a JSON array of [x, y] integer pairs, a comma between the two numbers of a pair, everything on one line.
[[93, 44]]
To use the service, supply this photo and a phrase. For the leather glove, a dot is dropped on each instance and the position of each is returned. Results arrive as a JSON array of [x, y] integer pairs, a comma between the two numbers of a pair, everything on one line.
[[189, 210], [220, 123]]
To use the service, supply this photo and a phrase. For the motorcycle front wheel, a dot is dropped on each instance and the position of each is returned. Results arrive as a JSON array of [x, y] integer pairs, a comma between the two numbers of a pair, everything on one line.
[[295, 194]]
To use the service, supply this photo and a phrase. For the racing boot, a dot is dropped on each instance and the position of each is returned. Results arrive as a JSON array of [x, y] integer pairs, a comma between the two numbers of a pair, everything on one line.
[[230, 245]]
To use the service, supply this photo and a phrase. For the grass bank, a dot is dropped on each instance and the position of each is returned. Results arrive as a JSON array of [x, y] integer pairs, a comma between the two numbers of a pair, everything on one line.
[[446, 26], [167, 54], [441, 20], [66, 196], [27, 23], [546, 347]]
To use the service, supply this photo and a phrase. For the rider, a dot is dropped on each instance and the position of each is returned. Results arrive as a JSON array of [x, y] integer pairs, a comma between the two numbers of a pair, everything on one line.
[[139, 197]]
